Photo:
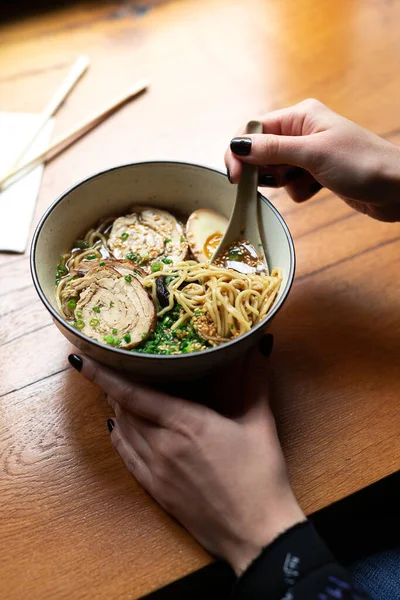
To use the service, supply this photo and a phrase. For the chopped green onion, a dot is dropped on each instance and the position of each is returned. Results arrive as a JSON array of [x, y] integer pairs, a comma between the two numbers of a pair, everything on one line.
[[79, 324], [261, 245], [198, 313], [127, 338], [131, 256], [143, 335], [109, 339], [82, 244], [94, 322], [187, 349], [156, 267], [128, 278], [102, 263], [96, 309], [166, 261], [124, 236], [167, 241], [62, 269], [91, 257], [72, 303], [112, 304], [232, 326], [182, 239], [114, 331], [235, 256], [117, 342], [78, 314]]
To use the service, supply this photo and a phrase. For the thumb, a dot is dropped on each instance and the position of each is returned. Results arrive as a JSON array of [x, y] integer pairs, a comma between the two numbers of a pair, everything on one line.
[[256, 390], [269, 149]]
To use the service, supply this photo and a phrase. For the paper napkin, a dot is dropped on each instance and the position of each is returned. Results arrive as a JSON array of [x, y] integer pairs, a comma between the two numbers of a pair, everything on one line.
[[17, 202]]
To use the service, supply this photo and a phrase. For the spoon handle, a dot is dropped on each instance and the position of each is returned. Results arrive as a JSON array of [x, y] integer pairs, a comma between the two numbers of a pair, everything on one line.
[[243, 224], [247, 187], [244, 219]]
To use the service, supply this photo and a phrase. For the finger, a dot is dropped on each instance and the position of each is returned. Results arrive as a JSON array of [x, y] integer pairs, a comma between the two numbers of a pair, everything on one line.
[[150, 404], [227, 390], [283, 121], [279, 175], [299, 183], [134, 463], [298, 119], [233, 167], [136, 431], [256, 390], [304, 188], [270, 175], [269, 149]]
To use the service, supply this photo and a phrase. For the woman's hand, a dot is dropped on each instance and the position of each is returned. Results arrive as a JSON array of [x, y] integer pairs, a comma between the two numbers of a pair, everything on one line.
[[307, 146], [224, 479]]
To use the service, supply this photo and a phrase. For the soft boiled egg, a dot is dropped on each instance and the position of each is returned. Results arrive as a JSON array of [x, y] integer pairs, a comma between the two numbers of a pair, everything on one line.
[[204, 231]]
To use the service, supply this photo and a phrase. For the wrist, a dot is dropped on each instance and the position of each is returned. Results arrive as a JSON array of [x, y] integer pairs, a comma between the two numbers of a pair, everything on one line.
[[263, 532], [385, 181]]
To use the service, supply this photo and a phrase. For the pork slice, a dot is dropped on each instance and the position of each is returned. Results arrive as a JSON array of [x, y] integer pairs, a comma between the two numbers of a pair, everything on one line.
[[124, 267], [148, 234], [112, 306]]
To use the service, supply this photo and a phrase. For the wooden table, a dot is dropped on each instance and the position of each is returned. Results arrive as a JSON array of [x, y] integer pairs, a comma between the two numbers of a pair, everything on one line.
[[74, 523]]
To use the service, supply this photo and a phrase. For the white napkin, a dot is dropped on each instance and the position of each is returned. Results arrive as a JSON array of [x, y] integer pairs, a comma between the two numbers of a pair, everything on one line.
[[17, 202]]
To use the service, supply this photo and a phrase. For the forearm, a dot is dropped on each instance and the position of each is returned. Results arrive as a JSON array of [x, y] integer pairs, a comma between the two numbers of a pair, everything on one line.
[[296, 566]]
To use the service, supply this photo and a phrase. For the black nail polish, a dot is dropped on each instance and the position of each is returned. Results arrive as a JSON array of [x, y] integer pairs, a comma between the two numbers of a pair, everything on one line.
[[315, 187], [228, 174], [110, 425], [267, 180], [266, 344], [241, 146], [75, 361], [294, 173]]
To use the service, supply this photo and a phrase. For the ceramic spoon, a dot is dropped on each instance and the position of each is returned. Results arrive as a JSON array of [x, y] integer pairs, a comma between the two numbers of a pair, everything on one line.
[[243, 224]]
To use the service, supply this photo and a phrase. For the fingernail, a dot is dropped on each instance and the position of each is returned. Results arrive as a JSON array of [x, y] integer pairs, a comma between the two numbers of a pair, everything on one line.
[[266, 344], [267, 180], [315, 187], [110, 425], [75, 361], [294, 173], [228, 174], [241, 146]]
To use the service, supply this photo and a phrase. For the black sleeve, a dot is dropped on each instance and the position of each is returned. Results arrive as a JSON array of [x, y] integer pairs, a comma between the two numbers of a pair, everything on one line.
[[297, 565]]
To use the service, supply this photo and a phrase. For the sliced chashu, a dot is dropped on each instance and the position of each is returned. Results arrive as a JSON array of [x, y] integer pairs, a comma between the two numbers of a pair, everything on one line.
[[148, 234], [112, 307], [124, 267]]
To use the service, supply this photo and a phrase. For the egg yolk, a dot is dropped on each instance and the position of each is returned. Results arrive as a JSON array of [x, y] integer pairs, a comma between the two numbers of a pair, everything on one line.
[[211, 244]]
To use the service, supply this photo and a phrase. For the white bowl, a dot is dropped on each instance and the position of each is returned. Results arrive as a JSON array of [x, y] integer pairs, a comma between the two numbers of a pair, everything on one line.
[[174, 186]]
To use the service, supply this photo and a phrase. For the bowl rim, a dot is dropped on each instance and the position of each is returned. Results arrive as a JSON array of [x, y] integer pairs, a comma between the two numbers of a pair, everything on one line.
[[138, 355]]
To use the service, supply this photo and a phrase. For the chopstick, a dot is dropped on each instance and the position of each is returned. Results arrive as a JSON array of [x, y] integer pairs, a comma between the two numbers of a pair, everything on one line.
[[77, 70], [64, 141]]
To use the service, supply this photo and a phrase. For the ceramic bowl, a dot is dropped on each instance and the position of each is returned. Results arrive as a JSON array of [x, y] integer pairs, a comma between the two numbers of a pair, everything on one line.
[[173, 186]]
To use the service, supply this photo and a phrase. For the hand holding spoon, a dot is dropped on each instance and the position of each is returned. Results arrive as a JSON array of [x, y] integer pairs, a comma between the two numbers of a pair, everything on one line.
[[241, 247]]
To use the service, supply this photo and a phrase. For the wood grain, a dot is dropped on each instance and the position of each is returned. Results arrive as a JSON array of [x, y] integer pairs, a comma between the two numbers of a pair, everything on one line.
[[75, 524]]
